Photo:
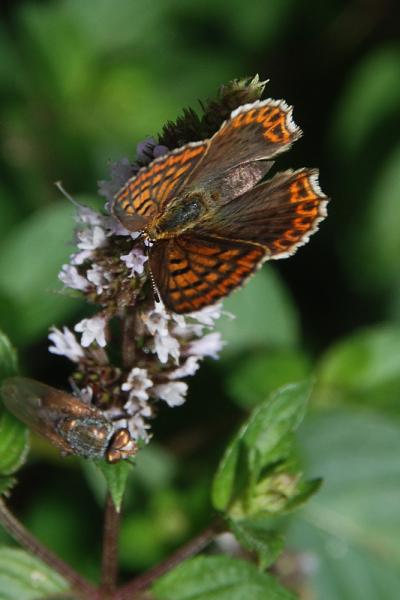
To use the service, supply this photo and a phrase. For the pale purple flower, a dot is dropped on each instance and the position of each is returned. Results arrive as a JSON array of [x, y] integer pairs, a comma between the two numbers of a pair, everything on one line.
[[99, 277], [209, 345], [91, 238], [189, 367], [137, 383], [135, 261], [93, 330], [65, 344], [70, 277], [121, 171], [172, 393]]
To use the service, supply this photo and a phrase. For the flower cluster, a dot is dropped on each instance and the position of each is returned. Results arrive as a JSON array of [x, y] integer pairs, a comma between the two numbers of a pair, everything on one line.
[[160, 348]]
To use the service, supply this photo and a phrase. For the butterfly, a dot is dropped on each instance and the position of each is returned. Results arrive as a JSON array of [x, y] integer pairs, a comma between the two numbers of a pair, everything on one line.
[[66, 421], [209, 221]]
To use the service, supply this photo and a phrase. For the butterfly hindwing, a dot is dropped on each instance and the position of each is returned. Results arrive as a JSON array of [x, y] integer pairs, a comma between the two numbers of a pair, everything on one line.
[[145, 194], [280, 214], [195, 271]]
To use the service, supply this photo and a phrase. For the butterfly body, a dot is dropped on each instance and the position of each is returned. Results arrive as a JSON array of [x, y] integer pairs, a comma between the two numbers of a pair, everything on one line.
[[210, 220], [183, 213]]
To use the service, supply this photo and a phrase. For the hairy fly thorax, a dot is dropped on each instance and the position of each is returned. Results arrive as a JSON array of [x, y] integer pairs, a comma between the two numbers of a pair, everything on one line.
[[183, 213]]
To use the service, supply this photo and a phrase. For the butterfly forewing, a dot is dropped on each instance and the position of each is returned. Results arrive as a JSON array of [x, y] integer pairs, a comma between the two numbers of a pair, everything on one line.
[[280, 214], [144, 196], [194, 271], [254, 132]]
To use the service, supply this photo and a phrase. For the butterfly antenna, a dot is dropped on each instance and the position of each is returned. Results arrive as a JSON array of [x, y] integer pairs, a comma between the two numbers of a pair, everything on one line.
[[64, 192], [152, 280]]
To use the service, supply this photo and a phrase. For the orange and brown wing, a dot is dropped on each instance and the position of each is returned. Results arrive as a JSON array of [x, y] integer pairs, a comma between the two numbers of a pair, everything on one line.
[[255, 132], [194, 272], [280, 214], [144, 195]]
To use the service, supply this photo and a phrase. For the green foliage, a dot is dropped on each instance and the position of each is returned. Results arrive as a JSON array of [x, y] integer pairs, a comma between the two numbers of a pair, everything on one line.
[[255, 474], [14, 441], [30, 258], [24, 577], [363, 369], [116, 477], [82, 86], [218, 578], [263, 316], [351, 529]]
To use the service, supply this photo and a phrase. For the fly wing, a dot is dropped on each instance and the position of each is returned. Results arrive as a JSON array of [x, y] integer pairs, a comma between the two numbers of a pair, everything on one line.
[[43, 408]]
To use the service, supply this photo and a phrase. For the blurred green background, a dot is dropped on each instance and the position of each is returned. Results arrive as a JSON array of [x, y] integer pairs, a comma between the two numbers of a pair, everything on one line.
[[81, 83]]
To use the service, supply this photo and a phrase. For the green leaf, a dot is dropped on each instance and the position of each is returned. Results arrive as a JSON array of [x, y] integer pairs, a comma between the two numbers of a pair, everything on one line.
[[256, 443], [256, 536], [8, 358], [218, 578], [372, 94], [351, 529], [14, 436], [116, 477], [24, 577], [14, 443], [30, 259], [379, 229], [265, 297], [258, 375], [363, 369]]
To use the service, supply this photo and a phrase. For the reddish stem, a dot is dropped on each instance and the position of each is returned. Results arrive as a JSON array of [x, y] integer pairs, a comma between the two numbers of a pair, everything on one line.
[[194, 546], [21, 535], [109, 565]]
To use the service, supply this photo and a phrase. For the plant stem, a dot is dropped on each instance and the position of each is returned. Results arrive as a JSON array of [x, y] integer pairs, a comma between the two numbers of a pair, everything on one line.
[[109, 565], [194, 546], [21, 535]]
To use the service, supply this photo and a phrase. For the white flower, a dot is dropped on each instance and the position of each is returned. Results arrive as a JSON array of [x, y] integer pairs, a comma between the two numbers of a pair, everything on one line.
[[173, 393], [207, 315], [93, 330], [71, 278], [99, 277], [91, 238], [156, 320], [165, 345], [137, 383], [209, 345], [189, 367], [65, 344], [135, 261]]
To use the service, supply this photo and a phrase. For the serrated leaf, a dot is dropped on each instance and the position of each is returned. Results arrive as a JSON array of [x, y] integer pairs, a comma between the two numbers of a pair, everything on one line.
[[8, 358], [116, 477], [351, 529], [218, 578], [255, 444], [24, 577], [256, 535], [276, 323]]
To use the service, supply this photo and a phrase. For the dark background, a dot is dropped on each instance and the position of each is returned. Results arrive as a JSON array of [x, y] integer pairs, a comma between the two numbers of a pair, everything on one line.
[[81, 83]]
